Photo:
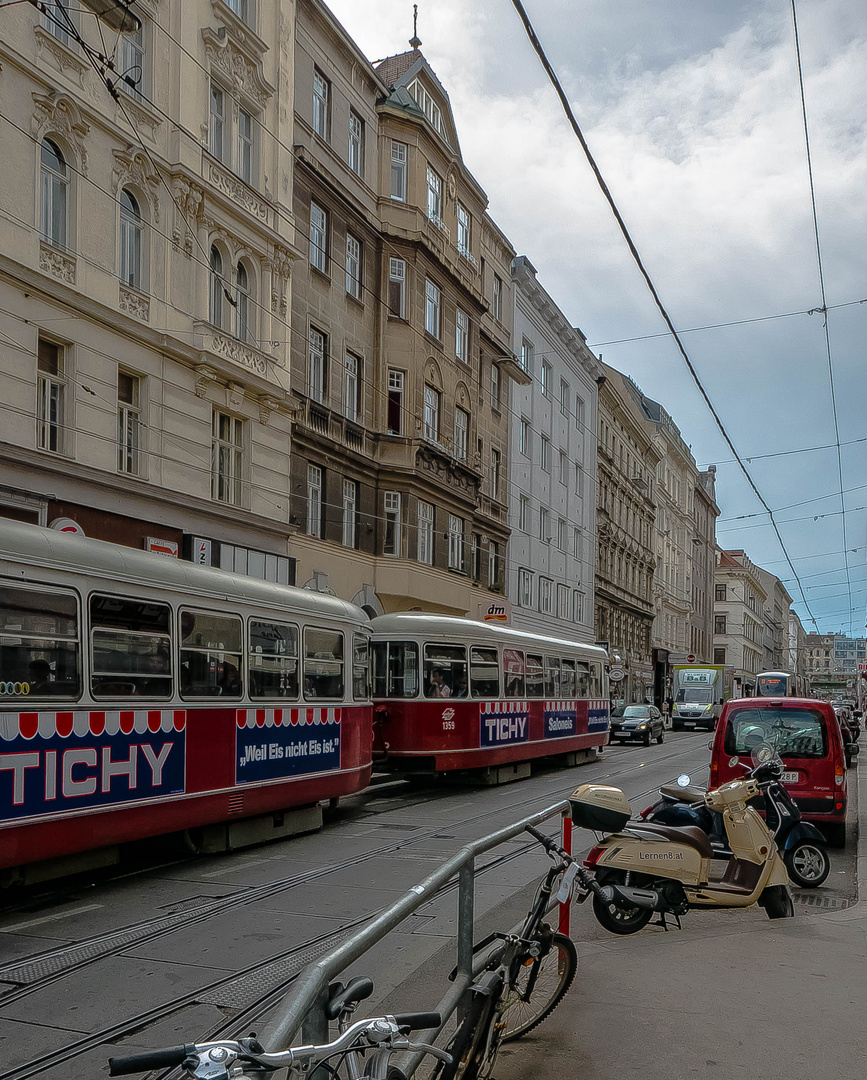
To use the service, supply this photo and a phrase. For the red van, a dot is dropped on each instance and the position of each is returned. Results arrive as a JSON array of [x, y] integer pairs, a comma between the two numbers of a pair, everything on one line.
[[807, 735]]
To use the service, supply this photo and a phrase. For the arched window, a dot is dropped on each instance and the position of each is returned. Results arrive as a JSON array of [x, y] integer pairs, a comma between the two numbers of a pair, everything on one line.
[[54, 194], [243, 310], [131, 238], [216, 289]]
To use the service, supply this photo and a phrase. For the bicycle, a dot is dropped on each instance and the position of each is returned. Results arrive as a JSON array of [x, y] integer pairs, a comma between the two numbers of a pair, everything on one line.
[[364, 1047], [523, 980]]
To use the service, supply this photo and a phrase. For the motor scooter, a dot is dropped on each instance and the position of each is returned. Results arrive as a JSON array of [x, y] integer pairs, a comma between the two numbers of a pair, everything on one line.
[[800, 844], [645, 867]]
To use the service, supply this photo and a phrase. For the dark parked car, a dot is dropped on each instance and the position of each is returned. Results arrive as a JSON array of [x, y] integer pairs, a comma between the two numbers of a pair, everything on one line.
[[640, 722]]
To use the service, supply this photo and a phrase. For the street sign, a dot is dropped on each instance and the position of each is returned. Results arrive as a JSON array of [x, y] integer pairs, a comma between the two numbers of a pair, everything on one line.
[[616, 674], [691, 658]]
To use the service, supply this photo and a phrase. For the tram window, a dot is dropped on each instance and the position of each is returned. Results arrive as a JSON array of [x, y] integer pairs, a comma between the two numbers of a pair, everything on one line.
[[567, 679], [445, 671], [395, 669], [582, 685], [323, 664], [596, 680], [513, 673], [39, 644], [210, 654], [273, 660], [485, 673], [130, 648], [552, 676], [535, 687], [360, 668]]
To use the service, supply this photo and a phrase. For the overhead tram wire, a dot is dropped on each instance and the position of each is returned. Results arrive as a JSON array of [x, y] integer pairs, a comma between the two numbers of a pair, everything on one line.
[[821, 273], [567, 108]]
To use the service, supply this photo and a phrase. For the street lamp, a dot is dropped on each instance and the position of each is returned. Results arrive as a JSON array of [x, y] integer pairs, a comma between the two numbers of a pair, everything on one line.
[[115, 13]]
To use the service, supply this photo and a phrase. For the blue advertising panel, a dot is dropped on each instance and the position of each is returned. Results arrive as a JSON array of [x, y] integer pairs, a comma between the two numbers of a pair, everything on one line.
[[503, 723], [71, 767], [561, 719], [597, 716], [278, 744]]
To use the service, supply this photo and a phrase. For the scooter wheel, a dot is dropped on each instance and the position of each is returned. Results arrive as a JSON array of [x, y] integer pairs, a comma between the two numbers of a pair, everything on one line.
[[777, 902], [808, 864], [622, 920]]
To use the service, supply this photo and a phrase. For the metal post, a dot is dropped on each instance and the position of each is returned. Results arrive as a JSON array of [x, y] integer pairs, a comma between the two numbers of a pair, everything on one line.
[[565, 923], [466, 921]]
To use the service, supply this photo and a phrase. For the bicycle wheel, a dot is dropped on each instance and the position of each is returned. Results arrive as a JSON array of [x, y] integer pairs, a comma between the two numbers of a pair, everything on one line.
[[554, 974], [474, 1046]]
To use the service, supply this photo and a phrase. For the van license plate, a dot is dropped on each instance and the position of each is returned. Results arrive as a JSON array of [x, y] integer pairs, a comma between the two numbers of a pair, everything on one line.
[[789, 778]]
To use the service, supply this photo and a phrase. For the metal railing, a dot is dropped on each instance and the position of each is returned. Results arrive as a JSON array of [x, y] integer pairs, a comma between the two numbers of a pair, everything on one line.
[[303, 1008]]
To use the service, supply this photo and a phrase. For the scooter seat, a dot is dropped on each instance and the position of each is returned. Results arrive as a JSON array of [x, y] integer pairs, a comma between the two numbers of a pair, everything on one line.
[[682, 794], [682, 834]]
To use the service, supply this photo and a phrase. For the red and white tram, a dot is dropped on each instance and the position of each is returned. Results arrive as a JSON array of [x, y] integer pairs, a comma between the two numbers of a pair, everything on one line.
[[453, 694], [141, 695]]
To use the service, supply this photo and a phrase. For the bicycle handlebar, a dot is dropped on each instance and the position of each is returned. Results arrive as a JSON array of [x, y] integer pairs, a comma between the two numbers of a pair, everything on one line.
[[152, 1059]]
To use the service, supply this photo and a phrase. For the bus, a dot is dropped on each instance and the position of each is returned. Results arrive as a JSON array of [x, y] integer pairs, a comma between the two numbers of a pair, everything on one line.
[[781, 684], [451, 694], [141, 695]]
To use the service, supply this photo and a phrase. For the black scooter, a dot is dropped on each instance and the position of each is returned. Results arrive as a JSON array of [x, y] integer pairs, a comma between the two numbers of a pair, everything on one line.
[[800, 844]]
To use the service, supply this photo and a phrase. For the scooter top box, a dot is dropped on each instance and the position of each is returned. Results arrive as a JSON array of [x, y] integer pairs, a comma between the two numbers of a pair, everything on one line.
[[600, 807]]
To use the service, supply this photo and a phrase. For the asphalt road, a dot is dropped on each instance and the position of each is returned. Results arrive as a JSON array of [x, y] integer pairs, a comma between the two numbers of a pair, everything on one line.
[[190, 949]]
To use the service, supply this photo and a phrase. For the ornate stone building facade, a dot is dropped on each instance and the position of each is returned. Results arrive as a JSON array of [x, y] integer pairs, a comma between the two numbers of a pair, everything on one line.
[[628, 457], [146, 238], [738, 638]]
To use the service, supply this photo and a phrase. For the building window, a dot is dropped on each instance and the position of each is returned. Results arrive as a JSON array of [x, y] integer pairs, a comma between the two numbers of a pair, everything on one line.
[[496, 385], [321, 103], [525, 588], [464, 228], [243, 304], [545, 453], [524, 513], [129, 424], [493, 564], [131, 239], [392, 523], [562, 542], [719, 624], [562, 601], [352, 387], [318, 238], [427, 105], [564, 397], [317, 365], [314, 500], [215, 292], [527, 352], [432, 308], [434, 196], [350, 501], [719, 592], [398, 171], [132, 58], [246, 157], [546, 586], [241, 9], [397, 287], [545, 378], [579, 480], [579, 412], [577, 607], [462, 336], [356, 142], [462, 434], [563, 468], [497, 298], [496, 473], [524, 443], [544, 525], [431, 414], [227, 458], [50, 396], [456, 542], [425, 533], [217, 128], [57, 20], [396, 380], [353, 267], [476, 555], [55, 194], [576, 542], [719, 656]]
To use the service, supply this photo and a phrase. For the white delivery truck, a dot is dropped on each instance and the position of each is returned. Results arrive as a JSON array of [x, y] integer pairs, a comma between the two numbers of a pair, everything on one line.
[[699, 693]]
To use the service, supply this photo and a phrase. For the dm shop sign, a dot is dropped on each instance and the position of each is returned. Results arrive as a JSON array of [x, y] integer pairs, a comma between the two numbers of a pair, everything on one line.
[[55, 762], [277, 744]]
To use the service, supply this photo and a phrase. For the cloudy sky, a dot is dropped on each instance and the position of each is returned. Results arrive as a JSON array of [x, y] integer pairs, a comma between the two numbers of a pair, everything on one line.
[[692, 110]]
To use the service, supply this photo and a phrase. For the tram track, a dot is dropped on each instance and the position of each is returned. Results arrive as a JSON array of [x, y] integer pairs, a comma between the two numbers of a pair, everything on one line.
[[279, 971]]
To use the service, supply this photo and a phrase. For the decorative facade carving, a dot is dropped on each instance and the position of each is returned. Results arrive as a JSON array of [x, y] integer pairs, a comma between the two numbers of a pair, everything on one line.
[[61, 57], [447, 471], [244, 74], [133, 167], [57, 113], [134, 303], [239, 193], [281, 268], [267, 405], [236, 351], [234, 396], [204, 377], [189, 203], [58, 263]]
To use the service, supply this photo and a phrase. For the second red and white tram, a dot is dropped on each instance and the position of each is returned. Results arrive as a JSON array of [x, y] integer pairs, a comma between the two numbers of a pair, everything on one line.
[[141, 695], [453, 694]]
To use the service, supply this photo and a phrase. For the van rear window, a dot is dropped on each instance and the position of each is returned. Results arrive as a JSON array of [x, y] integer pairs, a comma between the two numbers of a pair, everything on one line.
[[796, 733]]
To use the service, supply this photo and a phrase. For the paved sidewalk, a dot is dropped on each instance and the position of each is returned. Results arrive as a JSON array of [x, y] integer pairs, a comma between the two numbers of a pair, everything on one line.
[[742, 997]]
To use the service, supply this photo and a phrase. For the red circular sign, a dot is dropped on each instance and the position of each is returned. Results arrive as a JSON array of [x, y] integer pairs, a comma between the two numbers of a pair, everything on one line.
[[691, 658]]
